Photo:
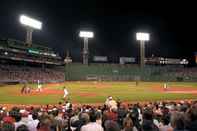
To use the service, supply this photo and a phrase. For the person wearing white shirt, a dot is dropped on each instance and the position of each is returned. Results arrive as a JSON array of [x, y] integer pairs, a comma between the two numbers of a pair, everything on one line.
[[92, 125]]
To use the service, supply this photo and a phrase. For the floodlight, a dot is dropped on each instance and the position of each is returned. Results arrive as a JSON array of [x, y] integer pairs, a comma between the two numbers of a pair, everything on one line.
[[142, 36], [27, 21], [86, 34]]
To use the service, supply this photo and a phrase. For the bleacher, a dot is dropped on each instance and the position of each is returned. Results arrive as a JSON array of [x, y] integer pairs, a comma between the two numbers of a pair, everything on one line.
[[21, 62]]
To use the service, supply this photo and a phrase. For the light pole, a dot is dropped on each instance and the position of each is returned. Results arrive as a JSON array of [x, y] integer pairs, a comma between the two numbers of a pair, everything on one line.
[[67, 61], [86, 35], [30, 25], [142, 37]]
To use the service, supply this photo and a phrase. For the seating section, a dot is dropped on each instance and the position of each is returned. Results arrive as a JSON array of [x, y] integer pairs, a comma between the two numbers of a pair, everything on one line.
[[19, 73], [111, 116]]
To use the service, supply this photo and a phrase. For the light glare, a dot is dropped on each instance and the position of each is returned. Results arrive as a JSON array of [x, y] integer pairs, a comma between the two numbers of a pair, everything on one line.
[[25, 20], [142, 36], [86, 34]]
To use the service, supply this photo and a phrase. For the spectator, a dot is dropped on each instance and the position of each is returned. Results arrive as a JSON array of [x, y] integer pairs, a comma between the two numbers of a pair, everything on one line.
[[111, 114], [192, 116], [45, 123], [165, 123], [32, 124], [148, 124], [111, 103], [99, 117], [111, 126], [128, 125], [7, 127], [178, 121], [122, 112], [92, 125], [83, 120], [22, 128]]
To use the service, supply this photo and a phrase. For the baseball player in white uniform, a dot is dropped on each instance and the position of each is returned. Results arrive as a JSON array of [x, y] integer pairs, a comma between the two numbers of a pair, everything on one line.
[[39, 89], [65, 92]]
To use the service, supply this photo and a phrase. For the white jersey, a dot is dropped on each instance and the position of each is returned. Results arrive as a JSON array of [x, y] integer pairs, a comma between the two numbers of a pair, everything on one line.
[[165, 86], [39, 86], [65, 92]]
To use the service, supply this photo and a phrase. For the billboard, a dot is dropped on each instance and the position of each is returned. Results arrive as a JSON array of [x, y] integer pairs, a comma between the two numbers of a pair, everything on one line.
[[124, 60], [100, 58]]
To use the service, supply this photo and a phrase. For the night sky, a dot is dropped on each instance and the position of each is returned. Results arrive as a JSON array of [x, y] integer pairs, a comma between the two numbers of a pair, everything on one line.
[[171, 25]]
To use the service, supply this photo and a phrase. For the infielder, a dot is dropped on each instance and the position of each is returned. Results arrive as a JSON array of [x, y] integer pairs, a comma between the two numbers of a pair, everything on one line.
[[39, 89], [65, 92], [165, 86]]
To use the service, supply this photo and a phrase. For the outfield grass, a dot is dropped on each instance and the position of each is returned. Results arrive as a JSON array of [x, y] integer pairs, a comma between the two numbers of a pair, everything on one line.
[[96, 92]]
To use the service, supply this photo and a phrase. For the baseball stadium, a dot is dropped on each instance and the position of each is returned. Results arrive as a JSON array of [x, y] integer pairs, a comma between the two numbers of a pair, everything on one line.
[[92, 82]]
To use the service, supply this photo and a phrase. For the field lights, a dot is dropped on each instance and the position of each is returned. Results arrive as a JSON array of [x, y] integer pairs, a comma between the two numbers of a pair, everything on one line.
[[28, 21]]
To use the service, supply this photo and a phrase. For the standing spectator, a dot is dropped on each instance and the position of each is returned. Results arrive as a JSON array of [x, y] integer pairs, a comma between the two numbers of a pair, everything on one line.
[[111, 103], [111, 114]]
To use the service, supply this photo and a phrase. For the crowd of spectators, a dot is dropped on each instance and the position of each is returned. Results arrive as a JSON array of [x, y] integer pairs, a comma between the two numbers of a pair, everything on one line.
[[111, 116], [30, 73]]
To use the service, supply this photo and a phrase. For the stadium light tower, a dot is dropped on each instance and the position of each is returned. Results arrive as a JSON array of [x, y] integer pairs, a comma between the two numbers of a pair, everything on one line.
[[86, 35], [30, 25], [142, 37]]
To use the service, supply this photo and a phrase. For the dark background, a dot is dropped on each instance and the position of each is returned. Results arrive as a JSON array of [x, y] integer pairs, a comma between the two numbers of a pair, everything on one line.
[[172, 26]]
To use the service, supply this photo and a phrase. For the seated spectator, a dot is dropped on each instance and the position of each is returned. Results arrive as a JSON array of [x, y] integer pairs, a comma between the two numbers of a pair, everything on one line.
[[192, 116], [165, 123], [92, 125], [7, 127], [178, 121], [148, 124], [45, 123], [128, 125], [22, 128], [111, 126], [99, 117], [83, 120], [122, 112], [32, 124]]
